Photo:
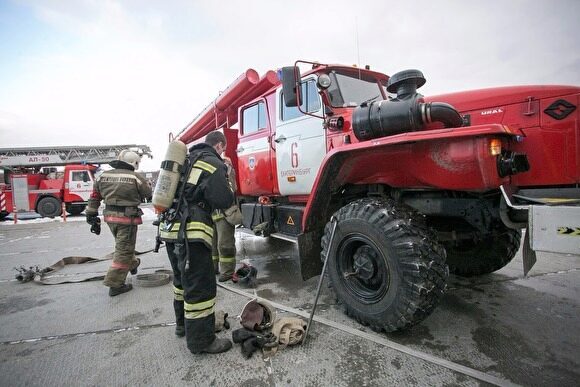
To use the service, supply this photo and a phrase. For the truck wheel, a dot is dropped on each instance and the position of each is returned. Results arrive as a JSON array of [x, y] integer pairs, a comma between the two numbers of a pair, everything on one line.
[[49, 206], [3, 215], [471, 258], [385, 265], [74, 209]]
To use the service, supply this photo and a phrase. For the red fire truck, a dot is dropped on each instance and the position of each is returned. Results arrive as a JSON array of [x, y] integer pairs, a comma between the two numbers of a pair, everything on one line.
[[396, 189], [32, 181]]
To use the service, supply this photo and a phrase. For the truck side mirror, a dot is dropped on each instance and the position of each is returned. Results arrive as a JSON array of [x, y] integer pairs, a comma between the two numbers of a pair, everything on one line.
[[291, 85]]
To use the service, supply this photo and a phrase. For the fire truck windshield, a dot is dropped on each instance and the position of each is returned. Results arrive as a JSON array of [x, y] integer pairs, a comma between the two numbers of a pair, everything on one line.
[[350, 89]]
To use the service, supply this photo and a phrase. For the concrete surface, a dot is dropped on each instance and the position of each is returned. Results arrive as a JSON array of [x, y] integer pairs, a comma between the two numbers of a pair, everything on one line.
[[513, 329]]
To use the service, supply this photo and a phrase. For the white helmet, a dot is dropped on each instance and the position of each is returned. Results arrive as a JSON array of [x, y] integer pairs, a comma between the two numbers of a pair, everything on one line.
[[130, 157]]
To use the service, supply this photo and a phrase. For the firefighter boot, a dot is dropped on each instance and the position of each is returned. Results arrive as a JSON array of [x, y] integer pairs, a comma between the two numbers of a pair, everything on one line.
[[225, 277], [134, 269], [227, 270], [179, 318], [120, 290], [217, 346]]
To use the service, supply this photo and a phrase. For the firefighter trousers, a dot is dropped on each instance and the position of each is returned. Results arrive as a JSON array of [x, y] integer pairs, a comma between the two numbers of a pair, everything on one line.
[[224, 247], [194, 291], [124, 257]]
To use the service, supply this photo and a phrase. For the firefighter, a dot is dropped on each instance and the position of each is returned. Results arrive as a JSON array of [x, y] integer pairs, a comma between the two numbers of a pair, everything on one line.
[[188, 235], [224, 242], [122, 190]]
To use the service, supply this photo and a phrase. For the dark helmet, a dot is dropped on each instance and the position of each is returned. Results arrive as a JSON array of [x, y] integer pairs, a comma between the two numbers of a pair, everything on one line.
[[246, 275]]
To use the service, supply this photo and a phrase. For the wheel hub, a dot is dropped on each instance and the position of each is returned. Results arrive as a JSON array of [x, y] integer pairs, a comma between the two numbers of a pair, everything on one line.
[[363, 263], [365, 272]]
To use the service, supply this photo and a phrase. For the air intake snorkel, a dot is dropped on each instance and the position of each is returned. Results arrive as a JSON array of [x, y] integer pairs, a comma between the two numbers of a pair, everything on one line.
[[406, 113]]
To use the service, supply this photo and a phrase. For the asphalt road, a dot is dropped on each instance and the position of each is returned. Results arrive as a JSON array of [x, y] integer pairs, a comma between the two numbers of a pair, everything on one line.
[[496, 329]]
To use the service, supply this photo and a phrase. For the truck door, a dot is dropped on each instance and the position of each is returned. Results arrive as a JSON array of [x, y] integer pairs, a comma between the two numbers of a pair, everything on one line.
[[300, 141], [20, 193], [80, 186], [254, 151]]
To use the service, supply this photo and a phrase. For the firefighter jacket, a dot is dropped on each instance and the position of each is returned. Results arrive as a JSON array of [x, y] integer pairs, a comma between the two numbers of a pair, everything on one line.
[[206, 189], [122, 190], [231, 173]]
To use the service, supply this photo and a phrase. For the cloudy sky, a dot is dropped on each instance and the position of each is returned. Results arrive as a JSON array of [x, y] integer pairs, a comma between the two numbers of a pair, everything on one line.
[[83, 72]]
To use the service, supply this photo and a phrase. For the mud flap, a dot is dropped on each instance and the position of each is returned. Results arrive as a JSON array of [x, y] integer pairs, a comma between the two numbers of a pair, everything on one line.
[[528, 255], [309, 250]]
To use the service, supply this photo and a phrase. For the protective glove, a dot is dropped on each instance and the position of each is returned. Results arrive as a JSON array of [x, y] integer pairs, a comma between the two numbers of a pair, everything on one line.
[[242, 334], [92, 219], [95, 223], [249, 346], [266, 341], [252, 344], [221, 321]]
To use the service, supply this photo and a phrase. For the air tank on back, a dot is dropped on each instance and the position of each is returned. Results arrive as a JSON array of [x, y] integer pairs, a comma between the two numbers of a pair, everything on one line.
[[169, 176], [406, 113]]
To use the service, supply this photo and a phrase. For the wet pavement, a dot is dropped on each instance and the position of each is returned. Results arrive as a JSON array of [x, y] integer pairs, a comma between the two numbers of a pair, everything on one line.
[[496, 329]]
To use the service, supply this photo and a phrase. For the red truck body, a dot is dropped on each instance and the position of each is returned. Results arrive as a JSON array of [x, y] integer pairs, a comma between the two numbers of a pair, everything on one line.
[[413, 186], [551, 144], [46, 192]]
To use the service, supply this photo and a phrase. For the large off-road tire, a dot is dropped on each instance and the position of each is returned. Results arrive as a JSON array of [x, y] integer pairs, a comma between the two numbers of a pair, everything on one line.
[[385, 265], [49, 207], [471, 258], [75, 209]]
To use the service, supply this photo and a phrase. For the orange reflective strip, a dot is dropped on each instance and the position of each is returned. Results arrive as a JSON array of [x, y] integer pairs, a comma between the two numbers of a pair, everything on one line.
[[118, 265], [123, 220]]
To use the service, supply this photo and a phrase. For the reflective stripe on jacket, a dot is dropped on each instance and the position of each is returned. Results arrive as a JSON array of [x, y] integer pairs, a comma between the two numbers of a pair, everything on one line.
[[194, 231], [122, 189], [206, 189]]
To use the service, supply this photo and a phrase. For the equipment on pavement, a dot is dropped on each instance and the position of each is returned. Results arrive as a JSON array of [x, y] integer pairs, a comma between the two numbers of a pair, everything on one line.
[[252, 341], [288, 331], [221, 321], [257, 315], [419, 186], [245, 275]]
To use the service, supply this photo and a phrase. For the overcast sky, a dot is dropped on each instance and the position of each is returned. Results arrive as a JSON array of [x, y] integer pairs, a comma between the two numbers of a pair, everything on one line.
[[102, 72]]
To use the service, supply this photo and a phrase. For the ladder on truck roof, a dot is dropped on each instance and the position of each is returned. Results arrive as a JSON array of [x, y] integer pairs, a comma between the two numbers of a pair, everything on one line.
[[63, 155]]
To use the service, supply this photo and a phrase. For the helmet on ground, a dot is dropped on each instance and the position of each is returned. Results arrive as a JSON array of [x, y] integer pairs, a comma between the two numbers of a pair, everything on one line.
[[246, 275], [257, 315], [130, 157]]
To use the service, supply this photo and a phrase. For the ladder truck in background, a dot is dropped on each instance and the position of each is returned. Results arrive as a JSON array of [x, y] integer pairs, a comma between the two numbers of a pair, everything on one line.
[[32, 181]]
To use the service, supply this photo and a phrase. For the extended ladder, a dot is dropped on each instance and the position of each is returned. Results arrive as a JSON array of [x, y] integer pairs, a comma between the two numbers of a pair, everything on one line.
[[63, 155]]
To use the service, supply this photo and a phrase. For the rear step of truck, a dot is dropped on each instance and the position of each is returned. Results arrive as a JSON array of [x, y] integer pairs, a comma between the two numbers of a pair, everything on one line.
[[277, 235], [553, 220]]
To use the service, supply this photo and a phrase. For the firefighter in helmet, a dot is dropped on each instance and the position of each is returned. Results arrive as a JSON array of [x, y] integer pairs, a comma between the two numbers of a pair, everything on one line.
[[188, 236], [122, 190]]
